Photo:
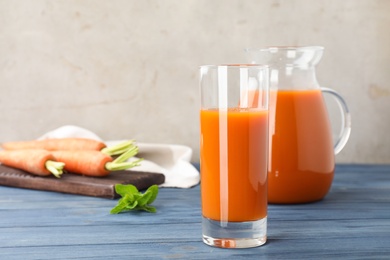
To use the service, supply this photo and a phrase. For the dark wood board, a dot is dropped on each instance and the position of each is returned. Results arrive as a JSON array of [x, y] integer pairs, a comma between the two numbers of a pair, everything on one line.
[[77, 184]]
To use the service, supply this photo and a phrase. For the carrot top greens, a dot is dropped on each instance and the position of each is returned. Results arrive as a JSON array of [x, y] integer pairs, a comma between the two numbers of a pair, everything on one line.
[[121, 163], [118, 148], [56, 168]]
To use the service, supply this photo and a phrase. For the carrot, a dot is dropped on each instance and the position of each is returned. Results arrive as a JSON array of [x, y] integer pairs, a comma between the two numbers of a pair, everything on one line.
[[56, 144], [91, 163], [66, 144], [95, 163], [38, 162]]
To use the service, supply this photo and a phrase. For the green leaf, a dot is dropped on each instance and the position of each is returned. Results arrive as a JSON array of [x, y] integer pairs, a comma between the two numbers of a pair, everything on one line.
[[132, 205], [154, 190], [149, 196], [150, 209], [125, 189], [132, 199], [119, 207], [143, 200]]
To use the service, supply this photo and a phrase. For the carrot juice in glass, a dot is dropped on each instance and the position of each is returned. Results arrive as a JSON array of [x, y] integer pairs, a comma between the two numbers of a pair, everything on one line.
[[234, 155]]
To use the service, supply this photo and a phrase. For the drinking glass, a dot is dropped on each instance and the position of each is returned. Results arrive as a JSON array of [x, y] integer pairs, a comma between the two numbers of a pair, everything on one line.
[[234, 154]]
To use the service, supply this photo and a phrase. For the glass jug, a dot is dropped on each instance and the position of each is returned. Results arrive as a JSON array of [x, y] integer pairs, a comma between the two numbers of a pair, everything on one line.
[[301, 156]]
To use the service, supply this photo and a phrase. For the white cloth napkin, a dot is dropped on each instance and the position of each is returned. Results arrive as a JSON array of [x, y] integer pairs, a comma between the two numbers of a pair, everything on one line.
[[172, 160]]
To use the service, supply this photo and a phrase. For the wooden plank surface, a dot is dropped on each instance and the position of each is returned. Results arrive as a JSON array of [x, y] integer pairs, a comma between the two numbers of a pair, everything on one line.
[[78, 184], [352, 222]]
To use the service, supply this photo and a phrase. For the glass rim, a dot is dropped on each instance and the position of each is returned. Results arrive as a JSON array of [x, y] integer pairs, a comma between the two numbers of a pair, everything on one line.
[[236, 65], [286, 48]]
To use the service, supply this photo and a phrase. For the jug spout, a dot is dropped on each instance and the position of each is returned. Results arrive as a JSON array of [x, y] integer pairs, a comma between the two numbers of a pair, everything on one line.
[[277, 57], [290, 68]]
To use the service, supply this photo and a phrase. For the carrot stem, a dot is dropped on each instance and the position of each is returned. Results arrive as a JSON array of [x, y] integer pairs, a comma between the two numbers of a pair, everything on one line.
[[118, 148], [111, 166], [130, 152], [120, 163], [56, 168]]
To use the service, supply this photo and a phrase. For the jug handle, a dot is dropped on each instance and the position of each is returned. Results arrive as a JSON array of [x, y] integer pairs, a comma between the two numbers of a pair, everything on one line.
[[345, 120]]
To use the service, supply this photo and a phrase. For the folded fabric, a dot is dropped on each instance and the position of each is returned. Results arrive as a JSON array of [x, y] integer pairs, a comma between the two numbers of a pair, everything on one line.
[[172, 160]]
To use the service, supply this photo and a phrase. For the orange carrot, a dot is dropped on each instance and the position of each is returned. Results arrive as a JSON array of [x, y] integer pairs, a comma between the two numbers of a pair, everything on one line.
[[56, 144], [95, 163], [91, 163], [70, 144], [38, 162]]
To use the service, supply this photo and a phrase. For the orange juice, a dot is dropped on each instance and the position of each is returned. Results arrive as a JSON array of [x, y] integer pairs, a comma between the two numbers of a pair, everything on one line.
[[302, 155], [234, 164]]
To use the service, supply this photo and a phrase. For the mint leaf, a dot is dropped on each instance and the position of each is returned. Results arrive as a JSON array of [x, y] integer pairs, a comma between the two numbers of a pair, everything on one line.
[[149, 196], [154, 190], [132, 199], [143, 200], [125, 189], [132, 205], [119, 207], [150, 209]]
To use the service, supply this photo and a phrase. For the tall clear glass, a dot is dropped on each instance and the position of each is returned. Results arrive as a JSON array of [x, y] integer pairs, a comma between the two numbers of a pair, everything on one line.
[[234, 154]]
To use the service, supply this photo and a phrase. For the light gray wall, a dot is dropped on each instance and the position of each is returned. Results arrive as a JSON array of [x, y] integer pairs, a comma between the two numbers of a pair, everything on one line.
[[129, 69]]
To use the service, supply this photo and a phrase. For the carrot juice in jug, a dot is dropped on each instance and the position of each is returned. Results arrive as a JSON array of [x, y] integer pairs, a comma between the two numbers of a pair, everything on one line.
[[301, 155]]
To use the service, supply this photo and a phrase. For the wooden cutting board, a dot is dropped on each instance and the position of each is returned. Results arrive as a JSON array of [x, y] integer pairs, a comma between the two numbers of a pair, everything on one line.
[[78, 184]]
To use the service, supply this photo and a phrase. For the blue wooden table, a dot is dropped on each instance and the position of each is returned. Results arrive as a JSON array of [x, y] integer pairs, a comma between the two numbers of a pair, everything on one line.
[[352, 222]]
